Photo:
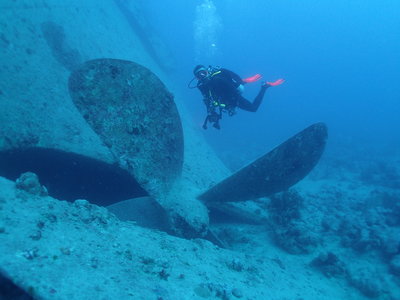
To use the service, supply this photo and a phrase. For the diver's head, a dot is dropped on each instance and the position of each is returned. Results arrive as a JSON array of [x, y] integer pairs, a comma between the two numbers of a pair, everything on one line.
[[200, 72]]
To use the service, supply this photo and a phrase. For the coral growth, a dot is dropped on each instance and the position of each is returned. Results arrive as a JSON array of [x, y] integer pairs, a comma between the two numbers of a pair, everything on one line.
[[329, 264], [290, 232]]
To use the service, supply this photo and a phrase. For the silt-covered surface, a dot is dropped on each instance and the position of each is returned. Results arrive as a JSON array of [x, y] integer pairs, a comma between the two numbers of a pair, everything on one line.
[[135, 116]]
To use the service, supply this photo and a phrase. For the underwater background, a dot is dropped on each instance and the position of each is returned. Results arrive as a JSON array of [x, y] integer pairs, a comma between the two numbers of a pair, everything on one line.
[[105, 200], [340, 60]]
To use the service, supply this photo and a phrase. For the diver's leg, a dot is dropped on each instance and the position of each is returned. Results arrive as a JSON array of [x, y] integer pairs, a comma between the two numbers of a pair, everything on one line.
[[252, 107], [245, 104]]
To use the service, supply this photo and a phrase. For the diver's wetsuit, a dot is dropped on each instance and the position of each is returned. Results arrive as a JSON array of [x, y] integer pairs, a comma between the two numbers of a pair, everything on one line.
[[222, 86]]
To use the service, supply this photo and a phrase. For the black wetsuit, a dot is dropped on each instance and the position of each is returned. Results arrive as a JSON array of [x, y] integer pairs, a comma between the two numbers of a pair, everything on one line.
[[221, 87]]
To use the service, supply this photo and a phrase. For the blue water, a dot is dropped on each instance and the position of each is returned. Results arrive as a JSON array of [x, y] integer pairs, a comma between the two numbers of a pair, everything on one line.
[[340, 59], [341, 63]]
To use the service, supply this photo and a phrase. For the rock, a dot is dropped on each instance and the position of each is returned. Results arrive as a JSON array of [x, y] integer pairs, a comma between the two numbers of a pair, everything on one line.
[[203, 291], [29, 182], [295, 237], [82, 203], [237, 293], [236, 265], [367, 281], [89, 213], [355, 233]]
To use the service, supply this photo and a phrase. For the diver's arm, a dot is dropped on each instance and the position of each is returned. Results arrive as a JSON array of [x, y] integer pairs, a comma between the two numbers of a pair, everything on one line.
[[204, 91], [206, 97]]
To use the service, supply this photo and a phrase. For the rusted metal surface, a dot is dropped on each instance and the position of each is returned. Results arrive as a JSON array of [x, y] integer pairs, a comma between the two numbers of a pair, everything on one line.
[[135, 116], [276, 171]]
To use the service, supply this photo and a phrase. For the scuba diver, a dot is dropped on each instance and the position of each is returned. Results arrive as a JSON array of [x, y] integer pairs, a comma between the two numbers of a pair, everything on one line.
[[222, 92]]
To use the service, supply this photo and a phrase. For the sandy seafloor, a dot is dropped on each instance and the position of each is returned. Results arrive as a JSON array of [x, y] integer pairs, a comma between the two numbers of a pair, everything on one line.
[[62, 250]]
